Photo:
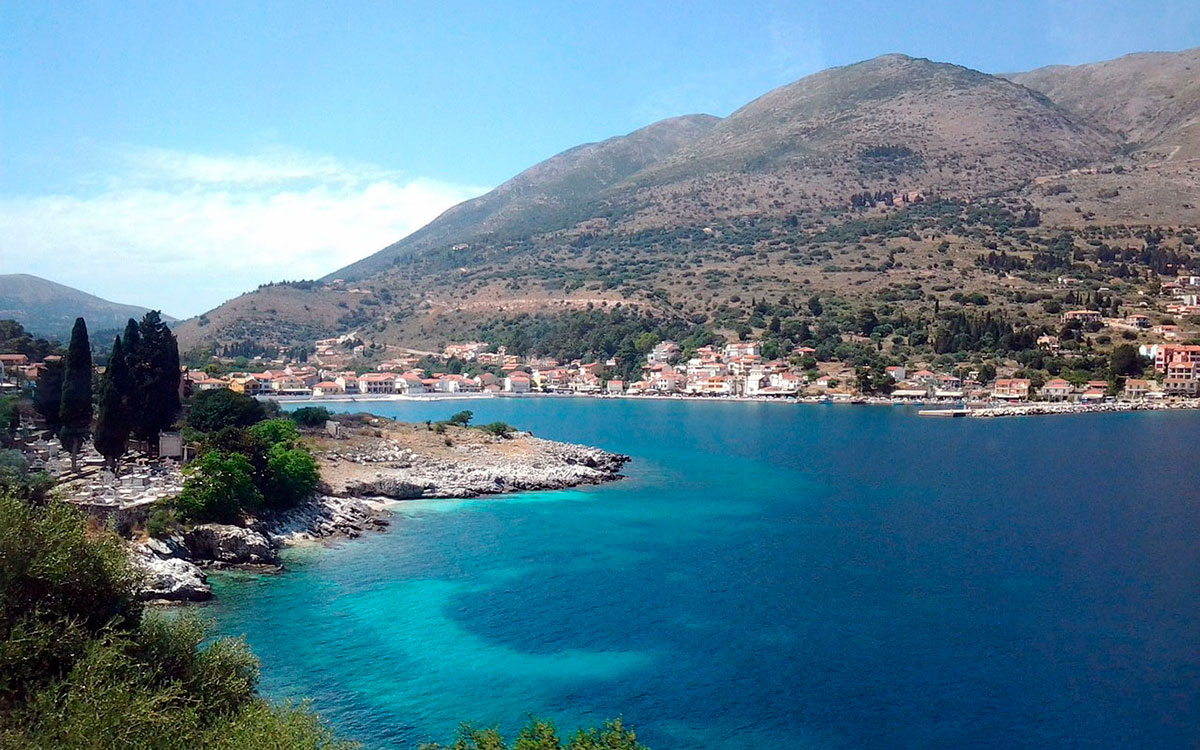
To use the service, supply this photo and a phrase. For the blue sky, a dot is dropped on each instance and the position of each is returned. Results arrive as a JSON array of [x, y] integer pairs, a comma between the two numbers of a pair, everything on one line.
[[214, 146]]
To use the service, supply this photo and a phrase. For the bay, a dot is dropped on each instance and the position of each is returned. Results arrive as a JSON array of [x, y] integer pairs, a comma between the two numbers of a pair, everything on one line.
[[769, 576]]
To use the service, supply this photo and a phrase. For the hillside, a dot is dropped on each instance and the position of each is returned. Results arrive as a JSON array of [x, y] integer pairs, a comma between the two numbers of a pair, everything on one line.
[[940, 127], [553, 193], [887, 181], [1150, 100], [48, 309]]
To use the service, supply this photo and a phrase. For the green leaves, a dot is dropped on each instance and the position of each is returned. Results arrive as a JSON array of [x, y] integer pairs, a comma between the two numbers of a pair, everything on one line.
[[292, 473], [540, 734], [220, 408], [219, 487], [275, 431]]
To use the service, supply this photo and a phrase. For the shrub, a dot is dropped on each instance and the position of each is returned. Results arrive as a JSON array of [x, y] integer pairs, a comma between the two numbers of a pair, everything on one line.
[[498, 429], [161, 523], [217, 409], [310, 416], [540, 734], [219, 487], [276, 431], [292, 476]]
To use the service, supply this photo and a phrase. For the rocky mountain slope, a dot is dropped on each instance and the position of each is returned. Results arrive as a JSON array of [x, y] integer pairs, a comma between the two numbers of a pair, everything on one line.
[[1150, 100], [49, 309], [697, 217]]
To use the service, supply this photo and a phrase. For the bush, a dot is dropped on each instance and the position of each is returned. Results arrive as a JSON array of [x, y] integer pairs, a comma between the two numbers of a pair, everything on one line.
[[59, 589], [219, 487], [292, 476], [81, 668], [161, 523], [540, 734], [276, 431], [18, 481], [498, 429], [217, 409], [310, 416]]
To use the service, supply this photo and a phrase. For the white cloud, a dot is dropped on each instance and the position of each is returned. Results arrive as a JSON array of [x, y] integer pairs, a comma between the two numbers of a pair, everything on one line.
[[184, 232]]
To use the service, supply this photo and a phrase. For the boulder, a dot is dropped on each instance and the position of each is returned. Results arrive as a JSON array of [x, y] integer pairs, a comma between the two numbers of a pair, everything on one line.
[[170, 579], [229, 544]]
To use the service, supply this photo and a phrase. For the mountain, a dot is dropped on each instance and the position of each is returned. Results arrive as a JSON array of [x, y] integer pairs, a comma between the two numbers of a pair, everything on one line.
[[551, 192], [887, 180], [1151, 100], [45, 308], [943, 127]]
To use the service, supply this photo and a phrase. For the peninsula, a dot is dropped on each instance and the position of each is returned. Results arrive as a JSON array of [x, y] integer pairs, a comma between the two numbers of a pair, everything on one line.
[[367, 464]]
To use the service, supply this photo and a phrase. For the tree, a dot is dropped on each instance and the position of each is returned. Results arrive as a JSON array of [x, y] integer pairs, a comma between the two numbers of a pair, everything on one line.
[[310, 416], [220, 408], [273, 431], [1125, 360], [156, 374], [75, 409], [10, 420], [47, 399], [292, 473], [462, 418], [814, 306], [114, 420], [219, 487]]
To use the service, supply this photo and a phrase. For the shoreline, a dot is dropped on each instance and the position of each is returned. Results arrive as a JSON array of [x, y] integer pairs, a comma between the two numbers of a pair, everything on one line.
[[1038, 409], [366, 474], [970, 408]]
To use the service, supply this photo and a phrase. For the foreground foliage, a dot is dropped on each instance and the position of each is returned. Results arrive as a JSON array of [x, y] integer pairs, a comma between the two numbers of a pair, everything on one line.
[[540, 734], [81, 666]]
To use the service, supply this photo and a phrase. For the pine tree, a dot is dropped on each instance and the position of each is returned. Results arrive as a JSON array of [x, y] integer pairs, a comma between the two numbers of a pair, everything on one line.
[[115, 419], [75, 410]]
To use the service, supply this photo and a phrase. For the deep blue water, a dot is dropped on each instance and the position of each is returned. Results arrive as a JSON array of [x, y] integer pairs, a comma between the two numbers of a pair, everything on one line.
[[771, 576]]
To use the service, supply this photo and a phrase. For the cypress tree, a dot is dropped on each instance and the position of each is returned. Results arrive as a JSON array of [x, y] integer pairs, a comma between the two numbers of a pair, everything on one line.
[[157, 378], [75, 410], [48, 397], [114, 418]]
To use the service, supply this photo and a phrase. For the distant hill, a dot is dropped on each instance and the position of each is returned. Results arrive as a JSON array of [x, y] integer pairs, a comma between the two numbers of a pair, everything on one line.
[[890, 179], [1150, 100], [48, 309]]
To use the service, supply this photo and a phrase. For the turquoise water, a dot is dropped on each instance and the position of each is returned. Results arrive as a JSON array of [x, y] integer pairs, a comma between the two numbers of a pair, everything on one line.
[[771, 576]]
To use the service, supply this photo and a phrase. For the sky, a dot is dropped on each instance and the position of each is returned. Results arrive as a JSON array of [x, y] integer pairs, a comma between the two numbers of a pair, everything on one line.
[[177, 154]]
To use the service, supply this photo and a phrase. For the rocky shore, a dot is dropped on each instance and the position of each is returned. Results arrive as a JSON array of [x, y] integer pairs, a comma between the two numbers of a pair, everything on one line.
[[391, 470], [1039, 409], [362, 472]]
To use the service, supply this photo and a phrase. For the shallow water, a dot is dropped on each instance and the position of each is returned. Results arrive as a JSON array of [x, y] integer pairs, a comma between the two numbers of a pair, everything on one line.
[[771, 576]]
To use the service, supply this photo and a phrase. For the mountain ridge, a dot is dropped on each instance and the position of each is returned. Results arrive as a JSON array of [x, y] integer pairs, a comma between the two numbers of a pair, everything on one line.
[[639, 219], [47, 308]]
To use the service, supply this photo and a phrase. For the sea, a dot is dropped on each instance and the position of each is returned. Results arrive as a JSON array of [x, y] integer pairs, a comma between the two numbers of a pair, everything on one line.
[[768, 576]]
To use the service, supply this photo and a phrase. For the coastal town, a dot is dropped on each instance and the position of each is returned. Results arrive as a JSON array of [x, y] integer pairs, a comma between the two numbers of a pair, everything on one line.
[[737, 370]]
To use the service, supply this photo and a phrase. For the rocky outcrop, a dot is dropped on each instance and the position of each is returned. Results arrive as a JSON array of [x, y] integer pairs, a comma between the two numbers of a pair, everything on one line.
[[232, 545], [324, 517], [401, 474], [169, 578]]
